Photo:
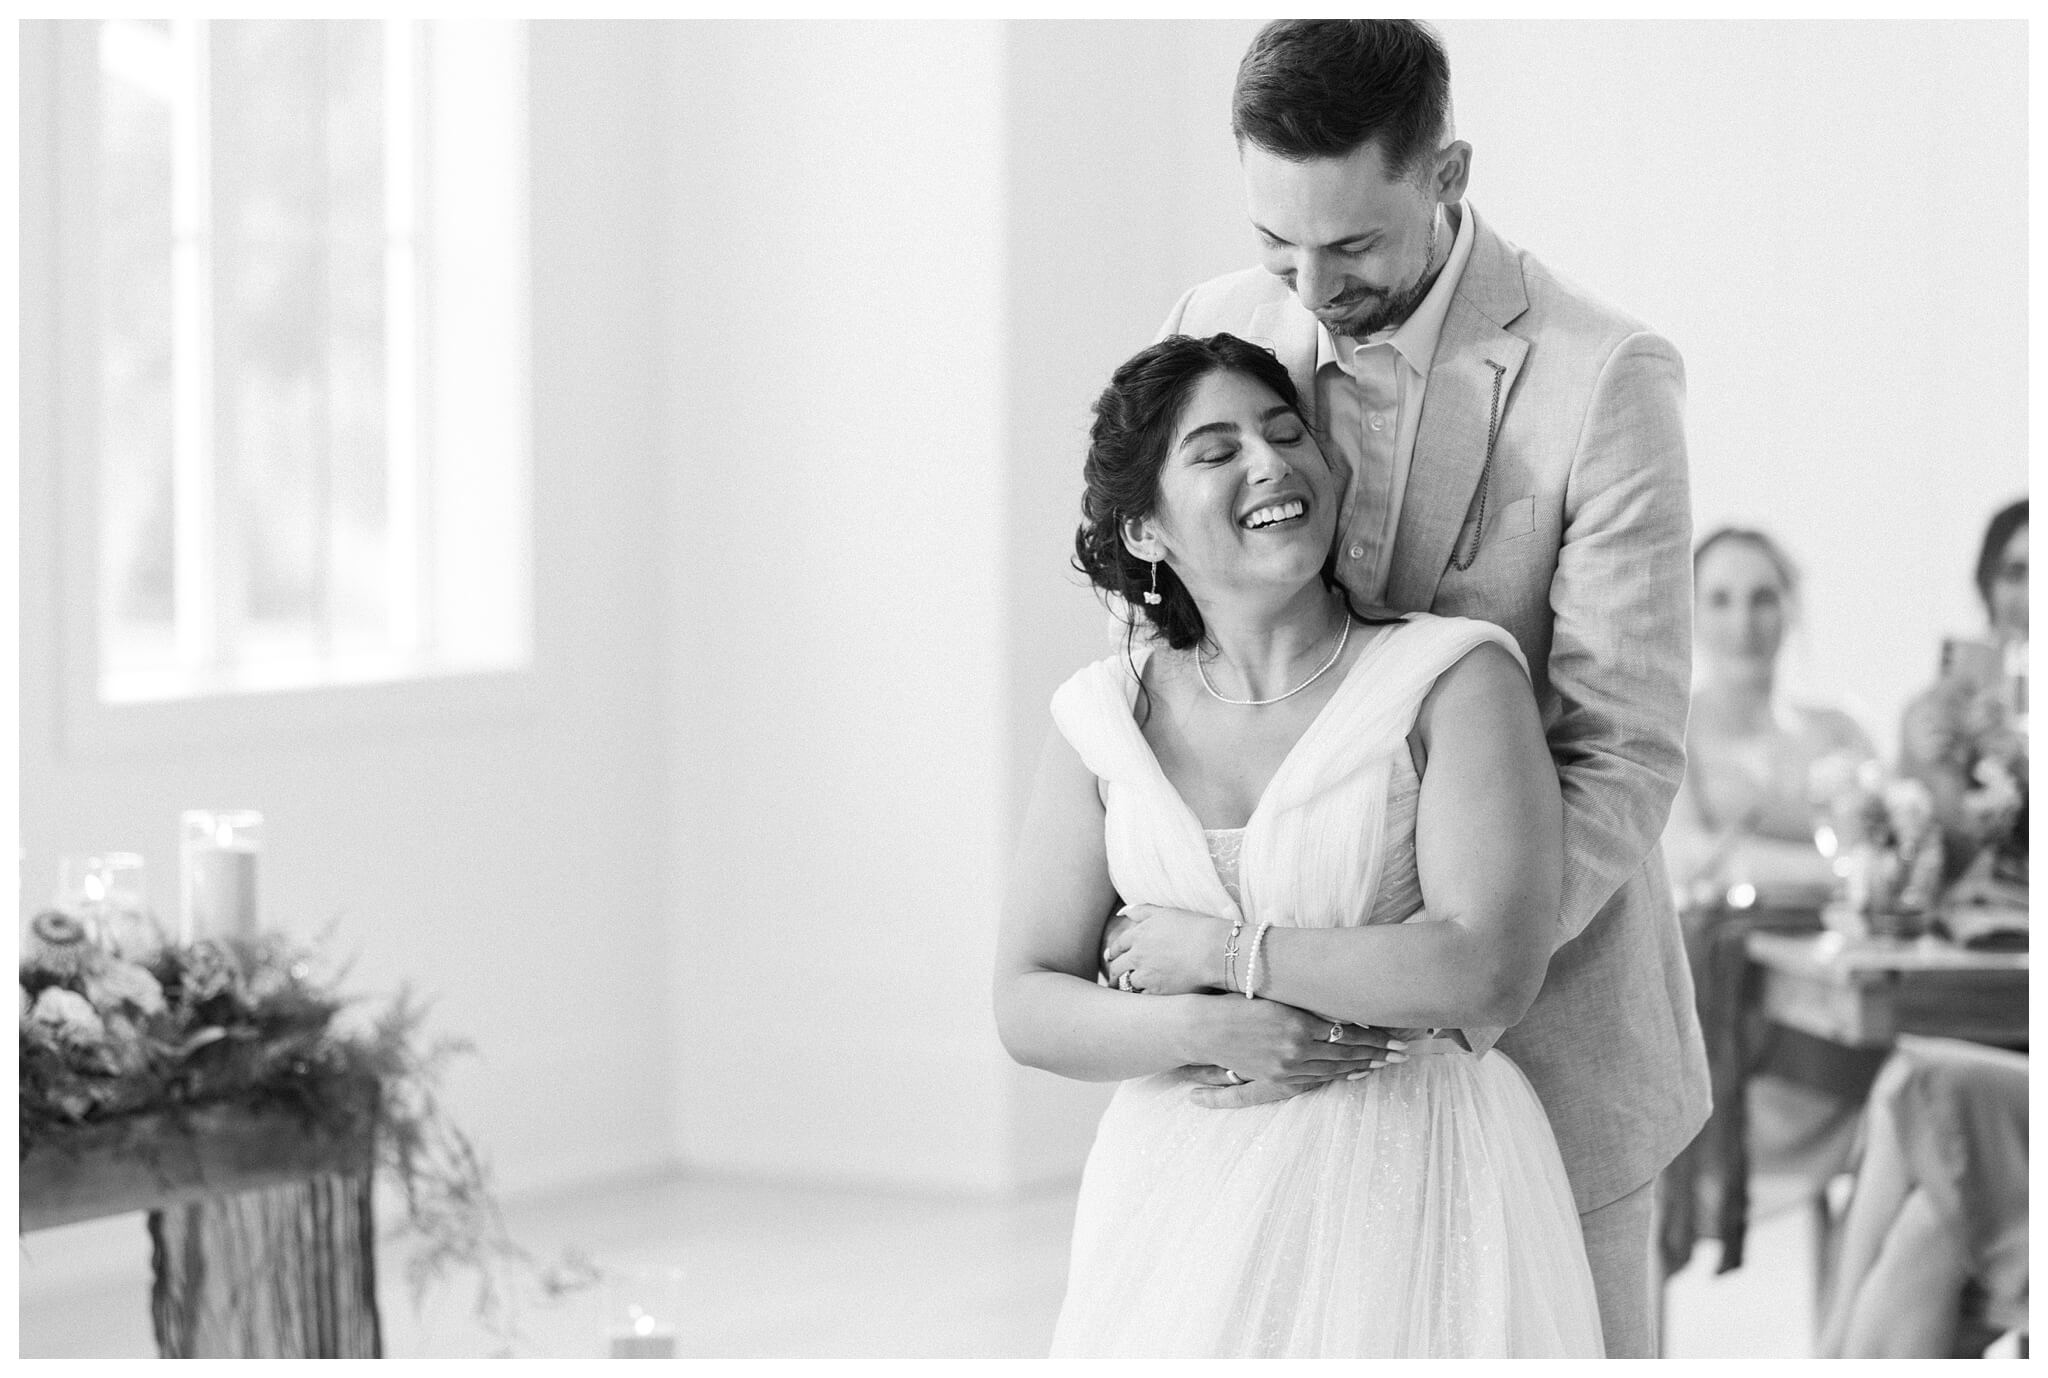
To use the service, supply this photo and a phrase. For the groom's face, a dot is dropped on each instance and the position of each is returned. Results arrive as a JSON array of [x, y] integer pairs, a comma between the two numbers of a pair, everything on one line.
[[1355, 244]]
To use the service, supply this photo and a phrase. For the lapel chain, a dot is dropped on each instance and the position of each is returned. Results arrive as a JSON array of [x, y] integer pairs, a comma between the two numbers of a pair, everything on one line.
[[1500, 371]]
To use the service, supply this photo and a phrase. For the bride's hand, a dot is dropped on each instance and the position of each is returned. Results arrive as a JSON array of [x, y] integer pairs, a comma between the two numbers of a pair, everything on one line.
[[1164, 951], [1286, 1050]]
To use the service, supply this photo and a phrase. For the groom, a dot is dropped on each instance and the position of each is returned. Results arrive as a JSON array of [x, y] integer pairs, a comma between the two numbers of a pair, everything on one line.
[[1516, 452]]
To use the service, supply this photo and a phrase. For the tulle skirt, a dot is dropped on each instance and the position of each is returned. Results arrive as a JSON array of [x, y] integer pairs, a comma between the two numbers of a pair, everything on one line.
[[1419, 1212]]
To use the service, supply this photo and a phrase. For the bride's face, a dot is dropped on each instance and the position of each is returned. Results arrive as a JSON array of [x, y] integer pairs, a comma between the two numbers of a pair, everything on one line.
[[1245, 497]]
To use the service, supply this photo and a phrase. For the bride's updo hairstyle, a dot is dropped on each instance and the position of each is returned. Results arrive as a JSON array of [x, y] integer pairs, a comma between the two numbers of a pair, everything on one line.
[[1135, 418]]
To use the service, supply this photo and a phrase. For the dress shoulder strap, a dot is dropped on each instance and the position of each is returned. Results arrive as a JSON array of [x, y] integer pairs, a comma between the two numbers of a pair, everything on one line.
[[1376, 706], [1093, 712]]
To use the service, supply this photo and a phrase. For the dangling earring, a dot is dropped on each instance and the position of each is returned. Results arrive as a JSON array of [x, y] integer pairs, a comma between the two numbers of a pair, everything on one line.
[[1152, 594]]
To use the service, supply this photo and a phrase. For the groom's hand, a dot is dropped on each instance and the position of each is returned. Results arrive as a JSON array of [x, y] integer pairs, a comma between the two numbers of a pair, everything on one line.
[[1214, 1090], [1357, 1051]]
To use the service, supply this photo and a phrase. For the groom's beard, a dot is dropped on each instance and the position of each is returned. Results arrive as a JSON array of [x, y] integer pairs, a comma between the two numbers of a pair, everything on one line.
[[1379, 309]]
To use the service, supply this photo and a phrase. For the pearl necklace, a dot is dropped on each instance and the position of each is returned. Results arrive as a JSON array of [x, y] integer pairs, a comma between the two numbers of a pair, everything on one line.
[[1342, 637]]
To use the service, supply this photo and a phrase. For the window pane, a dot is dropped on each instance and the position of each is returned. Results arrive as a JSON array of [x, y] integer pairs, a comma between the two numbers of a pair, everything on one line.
[[273, 276], [311, 254], [358, 593], [138, 78]]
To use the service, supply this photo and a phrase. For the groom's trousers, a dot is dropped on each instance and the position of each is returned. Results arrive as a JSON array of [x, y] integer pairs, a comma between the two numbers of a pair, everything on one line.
[[1620, 1244]]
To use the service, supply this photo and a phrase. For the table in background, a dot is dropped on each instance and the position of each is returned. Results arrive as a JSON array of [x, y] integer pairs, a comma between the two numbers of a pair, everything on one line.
[[1865, 992], [1777, 993]]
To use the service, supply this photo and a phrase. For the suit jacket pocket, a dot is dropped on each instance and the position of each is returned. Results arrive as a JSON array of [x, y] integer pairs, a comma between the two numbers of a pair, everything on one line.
[[1512, 522], [1515, 521]]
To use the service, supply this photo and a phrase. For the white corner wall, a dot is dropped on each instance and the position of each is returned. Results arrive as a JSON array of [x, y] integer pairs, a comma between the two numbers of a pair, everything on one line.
[[832, 303]]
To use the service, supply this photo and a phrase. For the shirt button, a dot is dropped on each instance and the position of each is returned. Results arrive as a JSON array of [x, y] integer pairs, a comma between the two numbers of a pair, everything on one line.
[[1358, 552], [1378, 422]]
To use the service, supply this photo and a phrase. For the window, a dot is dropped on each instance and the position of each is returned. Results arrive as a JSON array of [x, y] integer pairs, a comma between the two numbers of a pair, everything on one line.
[[298, 298]]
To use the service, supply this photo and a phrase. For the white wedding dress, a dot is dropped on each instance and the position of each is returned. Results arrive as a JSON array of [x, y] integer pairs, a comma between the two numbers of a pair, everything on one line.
[[1421, 1211]]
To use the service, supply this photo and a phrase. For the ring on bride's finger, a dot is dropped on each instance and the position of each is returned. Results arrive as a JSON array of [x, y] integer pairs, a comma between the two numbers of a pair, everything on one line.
[[1235, 1079], [1123, 982], [1336, 1032]]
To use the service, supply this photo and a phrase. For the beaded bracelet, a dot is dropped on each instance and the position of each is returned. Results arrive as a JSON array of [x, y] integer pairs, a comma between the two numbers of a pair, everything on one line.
[[1251, 963], [1230, 954]]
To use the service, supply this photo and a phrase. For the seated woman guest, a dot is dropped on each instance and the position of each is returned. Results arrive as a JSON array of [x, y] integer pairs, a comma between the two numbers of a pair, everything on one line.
[[1757, 766], [1962, 737], [1933, 1260], [1741, 834]]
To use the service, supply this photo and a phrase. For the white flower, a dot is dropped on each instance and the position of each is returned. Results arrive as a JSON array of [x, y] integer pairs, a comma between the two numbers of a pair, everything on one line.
[[124, 983], [1911, 807], [70, 1014], [1833, 775]]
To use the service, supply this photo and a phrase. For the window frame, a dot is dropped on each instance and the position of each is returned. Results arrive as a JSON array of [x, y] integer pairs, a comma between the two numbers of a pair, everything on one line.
[[94, 728]]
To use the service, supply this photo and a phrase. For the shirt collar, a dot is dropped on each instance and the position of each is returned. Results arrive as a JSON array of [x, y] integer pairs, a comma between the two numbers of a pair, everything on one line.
[[1415, 338]]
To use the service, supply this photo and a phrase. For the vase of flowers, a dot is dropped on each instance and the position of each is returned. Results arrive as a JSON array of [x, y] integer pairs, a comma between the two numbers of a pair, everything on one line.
[[1888, 854]]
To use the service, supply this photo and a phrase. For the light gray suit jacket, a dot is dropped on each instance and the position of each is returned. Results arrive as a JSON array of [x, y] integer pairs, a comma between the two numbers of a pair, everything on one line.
[[1584, 558]]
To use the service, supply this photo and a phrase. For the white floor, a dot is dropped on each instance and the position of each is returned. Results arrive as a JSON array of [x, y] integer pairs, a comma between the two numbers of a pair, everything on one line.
[[806, 1272]]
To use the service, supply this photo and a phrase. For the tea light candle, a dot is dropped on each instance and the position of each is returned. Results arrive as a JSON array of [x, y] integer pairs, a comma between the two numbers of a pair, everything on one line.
[[648, 1339], [217, 893]]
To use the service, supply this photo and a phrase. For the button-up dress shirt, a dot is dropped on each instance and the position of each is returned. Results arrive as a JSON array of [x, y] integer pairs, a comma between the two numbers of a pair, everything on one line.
[[1369, 401]]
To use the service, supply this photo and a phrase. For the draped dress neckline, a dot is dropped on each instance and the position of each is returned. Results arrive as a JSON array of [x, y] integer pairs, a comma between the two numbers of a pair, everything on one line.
[[1289, 762], [1181, 832]]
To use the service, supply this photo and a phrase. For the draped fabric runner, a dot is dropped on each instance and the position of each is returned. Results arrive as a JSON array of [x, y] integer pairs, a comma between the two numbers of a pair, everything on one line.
[[283, 1272]]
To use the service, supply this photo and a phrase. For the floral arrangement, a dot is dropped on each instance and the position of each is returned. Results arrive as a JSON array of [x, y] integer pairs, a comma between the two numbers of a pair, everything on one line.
[[1967, 739], [1887, 850], [110, 1031]]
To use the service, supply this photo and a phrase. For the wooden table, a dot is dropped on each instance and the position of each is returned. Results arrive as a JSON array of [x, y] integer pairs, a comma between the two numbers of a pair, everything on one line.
[[261, 1225], [1865, 992]]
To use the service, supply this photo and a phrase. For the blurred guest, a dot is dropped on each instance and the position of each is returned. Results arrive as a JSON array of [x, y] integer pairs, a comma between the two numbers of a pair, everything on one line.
[[1757, 767], [1740, 841], [1933, 1260], [1963, 737]]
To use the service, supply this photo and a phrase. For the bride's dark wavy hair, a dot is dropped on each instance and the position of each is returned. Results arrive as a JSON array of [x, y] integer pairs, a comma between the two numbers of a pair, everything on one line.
[[1135, 419], [1134, 422]]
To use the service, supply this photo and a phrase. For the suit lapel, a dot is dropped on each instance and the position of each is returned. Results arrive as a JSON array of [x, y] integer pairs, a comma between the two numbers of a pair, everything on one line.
[[1450, 440]]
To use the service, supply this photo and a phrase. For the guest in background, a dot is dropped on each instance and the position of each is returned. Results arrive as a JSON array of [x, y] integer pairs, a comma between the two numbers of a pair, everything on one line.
[[1740, 842], [1933, 1262], [1963, 737], [1757, 767]]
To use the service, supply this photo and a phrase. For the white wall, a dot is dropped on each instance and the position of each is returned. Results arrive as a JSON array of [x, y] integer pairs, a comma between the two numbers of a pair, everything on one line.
[[510, 866], [832, 301], [1830, 221]]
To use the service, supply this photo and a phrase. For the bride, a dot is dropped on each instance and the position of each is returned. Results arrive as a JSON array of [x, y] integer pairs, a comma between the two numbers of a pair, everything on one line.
[[1336, 842]]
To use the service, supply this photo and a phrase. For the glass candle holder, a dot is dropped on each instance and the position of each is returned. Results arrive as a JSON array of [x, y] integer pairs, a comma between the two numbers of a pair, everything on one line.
[[217, 873], [107, 894], [127, 924], [643, 1313]]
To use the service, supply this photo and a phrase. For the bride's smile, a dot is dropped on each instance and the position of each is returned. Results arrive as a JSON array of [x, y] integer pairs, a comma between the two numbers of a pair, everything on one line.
[[1246, 499]]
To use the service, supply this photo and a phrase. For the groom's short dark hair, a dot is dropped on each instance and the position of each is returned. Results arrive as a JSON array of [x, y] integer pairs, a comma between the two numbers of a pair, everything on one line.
[[1319, 88]]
